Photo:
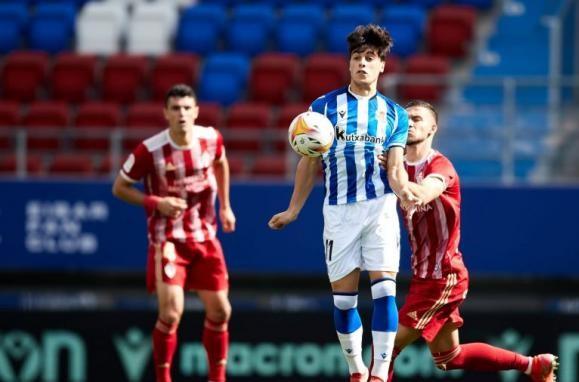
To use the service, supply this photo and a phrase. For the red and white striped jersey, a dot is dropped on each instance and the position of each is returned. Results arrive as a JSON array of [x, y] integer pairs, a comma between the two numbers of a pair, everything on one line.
[[434, 229], [183, 172]]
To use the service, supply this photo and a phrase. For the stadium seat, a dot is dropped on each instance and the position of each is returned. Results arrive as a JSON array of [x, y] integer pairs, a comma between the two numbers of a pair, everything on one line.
[[13, 21], [200, 28], [71, 164], [281, 124], [392, 68], [143, 120], [72, 77], [322, 73], [122, 78], [109, 19], [273, 77], [152, 28], [426, 3], [480, 4], [406, 24], [246, 125], [299, 28], [269, 166], [173, 69], [23, 74], [46, 121], [210, 114], [8, 164], [249, 29], [93, 124], [450, 30], [344, 18], [52, 27], [236, 165], [224, 78], [421, 64], [9, 120]]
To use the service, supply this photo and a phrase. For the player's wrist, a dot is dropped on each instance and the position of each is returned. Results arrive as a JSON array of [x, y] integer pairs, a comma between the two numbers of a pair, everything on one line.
[[151, 202]]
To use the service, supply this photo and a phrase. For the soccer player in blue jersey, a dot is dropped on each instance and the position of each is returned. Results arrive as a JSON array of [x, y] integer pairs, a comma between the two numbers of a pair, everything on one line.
[[361, 230]]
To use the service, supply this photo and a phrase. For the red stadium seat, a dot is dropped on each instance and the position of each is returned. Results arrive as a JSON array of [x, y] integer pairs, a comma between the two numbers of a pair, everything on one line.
[[72, 77], [209, 114], [71, 164], [9, 120], [8, 164], [451, 29], [323, 72], [93, 123], [143, 120], [246, 124], [284, 118], [236, 165], [173, 69], [393, 67], [425, 65], [273, 77], [271, 166], [23, 75], [45, 121], [122, 77]]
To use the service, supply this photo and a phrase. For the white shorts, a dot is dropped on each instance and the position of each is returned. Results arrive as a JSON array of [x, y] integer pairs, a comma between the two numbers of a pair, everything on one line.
[[363, 235]]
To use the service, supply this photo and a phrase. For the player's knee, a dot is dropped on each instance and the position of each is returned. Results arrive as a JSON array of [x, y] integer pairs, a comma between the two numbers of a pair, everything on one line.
[[170, 316], [221, 313]]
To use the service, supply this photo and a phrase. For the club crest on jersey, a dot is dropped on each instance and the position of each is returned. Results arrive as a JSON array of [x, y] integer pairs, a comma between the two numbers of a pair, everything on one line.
[[380, 114]]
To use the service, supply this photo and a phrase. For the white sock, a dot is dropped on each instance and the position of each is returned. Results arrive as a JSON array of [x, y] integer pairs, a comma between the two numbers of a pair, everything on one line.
[[352, 347], [383, 343], [528, 371]]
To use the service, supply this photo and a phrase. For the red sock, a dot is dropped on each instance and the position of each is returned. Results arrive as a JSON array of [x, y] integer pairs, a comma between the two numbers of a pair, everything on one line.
[[395, 353], [216, 342], [480, 357], [164, 346]]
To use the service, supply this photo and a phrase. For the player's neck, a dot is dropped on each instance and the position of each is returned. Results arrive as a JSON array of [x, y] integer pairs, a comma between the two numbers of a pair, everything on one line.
[[181, 138], [417, 153], [363, 90]]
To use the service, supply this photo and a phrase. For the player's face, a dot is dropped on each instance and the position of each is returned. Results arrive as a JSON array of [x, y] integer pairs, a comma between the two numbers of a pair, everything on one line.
[[180, 113], [421, 125], [365, 66]]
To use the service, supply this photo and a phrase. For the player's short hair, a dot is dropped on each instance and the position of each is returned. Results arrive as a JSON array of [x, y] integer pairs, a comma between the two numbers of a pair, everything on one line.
[[179, 91], [424, 104], [370, 36]]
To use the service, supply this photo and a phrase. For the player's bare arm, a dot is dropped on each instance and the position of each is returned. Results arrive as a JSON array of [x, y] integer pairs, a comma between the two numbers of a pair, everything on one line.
[[304, 183], [226, 215], [167, 206], [429, 189], [397, 176]]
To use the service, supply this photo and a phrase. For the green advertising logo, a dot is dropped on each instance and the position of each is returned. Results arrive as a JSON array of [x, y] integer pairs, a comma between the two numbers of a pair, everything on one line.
[[134, 351]]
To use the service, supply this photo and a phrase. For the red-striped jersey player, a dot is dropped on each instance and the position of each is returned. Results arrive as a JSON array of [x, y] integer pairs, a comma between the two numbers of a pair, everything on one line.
[[440, 279], [183, 168]]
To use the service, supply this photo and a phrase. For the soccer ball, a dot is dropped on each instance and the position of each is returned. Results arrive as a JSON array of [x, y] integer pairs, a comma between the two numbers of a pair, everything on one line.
[[311, 134]]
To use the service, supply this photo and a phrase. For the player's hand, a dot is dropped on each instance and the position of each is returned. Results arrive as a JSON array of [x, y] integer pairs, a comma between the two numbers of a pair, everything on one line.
[[383, 159], [279, 221], [227, 219], [171, 206]]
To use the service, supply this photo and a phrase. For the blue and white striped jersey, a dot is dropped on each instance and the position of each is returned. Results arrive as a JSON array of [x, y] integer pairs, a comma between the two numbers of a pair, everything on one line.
[[364, 127]]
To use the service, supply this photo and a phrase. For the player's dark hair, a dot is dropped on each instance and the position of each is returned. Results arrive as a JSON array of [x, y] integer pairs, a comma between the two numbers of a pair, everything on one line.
[[370, 36], [179, 91], [424, 104]]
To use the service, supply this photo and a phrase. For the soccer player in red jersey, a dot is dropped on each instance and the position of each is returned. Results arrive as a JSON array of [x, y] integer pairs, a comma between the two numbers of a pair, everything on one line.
[[184, 168], [439, 281]]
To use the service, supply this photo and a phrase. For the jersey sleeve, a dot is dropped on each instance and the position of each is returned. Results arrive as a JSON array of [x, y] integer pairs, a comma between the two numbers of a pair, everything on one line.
[[137, 164], [319, 105], [442, 169], [219, 146], [400, 133]]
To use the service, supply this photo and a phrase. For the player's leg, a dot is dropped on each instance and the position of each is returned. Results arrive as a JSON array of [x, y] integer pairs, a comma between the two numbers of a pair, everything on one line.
[[381, 255], [165, 277], [404, 337], [215, 331], [343, 260], [449, 354]]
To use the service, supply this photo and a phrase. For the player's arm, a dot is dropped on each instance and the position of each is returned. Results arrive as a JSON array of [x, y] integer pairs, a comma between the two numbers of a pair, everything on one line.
[[397, 175], [226, 215], [429, 189], [304, 183]]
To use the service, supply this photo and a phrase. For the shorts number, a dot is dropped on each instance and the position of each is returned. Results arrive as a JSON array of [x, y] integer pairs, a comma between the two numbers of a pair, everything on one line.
[[329, 249]]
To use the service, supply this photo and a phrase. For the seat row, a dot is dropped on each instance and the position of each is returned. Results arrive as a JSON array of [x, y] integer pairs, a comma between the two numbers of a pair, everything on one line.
[[152, 28], [225, 78]]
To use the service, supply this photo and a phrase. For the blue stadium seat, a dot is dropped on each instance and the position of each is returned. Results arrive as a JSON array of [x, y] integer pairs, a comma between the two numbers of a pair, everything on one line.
[[52, 27], [480, 4], [344, 18], [406, 24], [299, 28], [200, 27], [478, 170], [250, 27], [224, 77], [426, 3], [13, 20]]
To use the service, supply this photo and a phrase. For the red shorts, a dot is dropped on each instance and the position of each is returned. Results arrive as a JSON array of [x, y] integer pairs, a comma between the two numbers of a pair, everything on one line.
[[432, 303], [192, 265]]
